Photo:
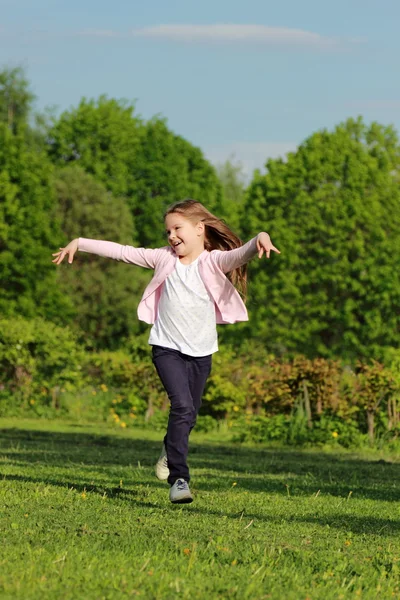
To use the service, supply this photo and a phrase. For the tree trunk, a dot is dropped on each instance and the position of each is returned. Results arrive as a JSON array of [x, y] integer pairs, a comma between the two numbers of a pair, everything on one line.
[[54, 397], [371, 424], [307, 405], [150, 409], [319, 401], [390, 414], [394, 412]]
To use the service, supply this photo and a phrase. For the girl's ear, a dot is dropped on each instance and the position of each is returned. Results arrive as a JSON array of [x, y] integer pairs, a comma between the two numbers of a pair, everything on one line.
[[200, 227]]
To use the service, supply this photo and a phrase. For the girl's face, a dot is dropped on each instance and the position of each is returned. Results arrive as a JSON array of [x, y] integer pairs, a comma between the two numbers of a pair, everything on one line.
[[183, 236]]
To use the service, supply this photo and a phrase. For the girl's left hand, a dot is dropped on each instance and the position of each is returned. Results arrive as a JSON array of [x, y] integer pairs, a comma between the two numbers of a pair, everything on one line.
[[264, 244]]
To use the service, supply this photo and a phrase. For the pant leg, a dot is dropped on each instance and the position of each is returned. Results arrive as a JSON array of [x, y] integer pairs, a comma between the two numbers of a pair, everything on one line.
[[199, 370], [172, 369]]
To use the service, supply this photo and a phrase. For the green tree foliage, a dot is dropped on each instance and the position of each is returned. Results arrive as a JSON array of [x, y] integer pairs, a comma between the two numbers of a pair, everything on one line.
[[15, 98], [102, 137], [28, 231], [233, 184], [333, 209], [105, 293]]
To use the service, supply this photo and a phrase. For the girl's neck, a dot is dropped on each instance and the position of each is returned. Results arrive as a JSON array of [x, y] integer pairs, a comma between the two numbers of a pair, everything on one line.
[[189, 258]]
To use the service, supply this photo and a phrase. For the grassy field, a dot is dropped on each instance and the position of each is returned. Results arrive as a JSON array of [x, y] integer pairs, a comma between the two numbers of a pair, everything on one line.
[[83, 516]]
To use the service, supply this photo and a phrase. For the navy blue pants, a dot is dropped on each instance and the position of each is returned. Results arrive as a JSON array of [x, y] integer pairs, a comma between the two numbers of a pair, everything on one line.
[[184, 378]]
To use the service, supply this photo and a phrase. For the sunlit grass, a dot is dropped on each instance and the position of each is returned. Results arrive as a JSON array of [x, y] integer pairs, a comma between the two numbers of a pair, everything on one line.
[[83, 516]]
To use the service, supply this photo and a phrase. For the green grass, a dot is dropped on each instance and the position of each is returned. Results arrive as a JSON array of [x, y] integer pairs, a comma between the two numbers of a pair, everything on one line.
[[83, 516]]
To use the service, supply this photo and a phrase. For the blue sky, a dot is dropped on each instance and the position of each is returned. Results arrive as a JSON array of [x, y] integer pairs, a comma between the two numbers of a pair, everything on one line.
[[250, 78]]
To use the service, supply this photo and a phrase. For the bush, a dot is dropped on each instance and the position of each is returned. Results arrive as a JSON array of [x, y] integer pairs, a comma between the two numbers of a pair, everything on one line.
[[206, 424], [37, 360], [225, 391], [294, 430], [44, 371], [135, 381]]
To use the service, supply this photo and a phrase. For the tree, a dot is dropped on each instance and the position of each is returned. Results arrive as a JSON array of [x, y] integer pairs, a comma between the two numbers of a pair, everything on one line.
[[103, 138], [15, 98], [104, 293], [28, 232], [233, 184], [333, 209]]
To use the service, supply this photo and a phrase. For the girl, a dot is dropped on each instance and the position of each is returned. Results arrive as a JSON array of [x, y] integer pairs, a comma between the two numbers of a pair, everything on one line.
[[192, 290]]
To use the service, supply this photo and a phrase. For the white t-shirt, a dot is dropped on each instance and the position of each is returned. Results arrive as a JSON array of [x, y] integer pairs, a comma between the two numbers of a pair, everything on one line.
[[186, 314]]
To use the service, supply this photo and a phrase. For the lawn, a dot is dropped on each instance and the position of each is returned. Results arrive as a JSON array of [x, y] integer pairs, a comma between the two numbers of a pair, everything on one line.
[[83, 516]]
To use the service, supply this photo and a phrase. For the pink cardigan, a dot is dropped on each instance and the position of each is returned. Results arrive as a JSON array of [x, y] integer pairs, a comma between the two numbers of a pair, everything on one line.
[[229, 307]]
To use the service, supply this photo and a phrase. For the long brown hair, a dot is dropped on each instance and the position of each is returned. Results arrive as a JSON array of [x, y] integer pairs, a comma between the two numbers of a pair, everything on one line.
[[218, 236]]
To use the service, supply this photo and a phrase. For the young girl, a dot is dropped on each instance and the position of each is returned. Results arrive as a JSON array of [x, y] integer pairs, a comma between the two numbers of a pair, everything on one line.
[[192, 290]]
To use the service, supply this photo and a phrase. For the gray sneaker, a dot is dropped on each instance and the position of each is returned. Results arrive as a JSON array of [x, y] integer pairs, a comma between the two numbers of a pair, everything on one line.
[[161, 468], [180, 492]]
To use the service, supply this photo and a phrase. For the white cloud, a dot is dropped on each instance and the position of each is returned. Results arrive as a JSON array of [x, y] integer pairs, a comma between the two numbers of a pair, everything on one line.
[[231, 33], [259, 34], [252, 155]]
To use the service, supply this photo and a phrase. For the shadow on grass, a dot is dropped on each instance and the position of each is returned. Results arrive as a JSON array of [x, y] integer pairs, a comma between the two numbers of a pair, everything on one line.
[[346, 522], [102, 490], [262, 469]]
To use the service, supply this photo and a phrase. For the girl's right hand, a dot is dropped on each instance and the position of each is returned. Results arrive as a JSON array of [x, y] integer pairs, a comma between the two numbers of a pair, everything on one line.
[[70, 250]]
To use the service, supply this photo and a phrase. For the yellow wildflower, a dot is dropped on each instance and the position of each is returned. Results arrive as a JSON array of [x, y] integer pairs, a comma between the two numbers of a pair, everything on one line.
[[103, 387], [335, 434]]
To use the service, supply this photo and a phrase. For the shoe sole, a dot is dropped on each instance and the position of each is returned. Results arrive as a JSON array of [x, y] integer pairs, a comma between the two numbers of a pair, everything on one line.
[[183, 501]]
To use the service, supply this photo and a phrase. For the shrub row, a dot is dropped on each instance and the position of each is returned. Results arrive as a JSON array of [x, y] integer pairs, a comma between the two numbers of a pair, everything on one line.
[[43, 369]]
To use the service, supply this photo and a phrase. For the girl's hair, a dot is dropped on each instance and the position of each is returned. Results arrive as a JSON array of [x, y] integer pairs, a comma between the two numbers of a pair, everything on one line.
[[218, 236]]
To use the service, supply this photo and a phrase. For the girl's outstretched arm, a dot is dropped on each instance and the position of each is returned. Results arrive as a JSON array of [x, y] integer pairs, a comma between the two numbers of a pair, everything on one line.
[[228, 260], [143, 257]]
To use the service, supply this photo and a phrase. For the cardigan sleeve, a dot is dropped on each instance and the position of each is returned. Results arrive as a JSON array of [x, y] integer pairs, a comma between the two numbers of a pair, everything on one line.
[[228, 260], [143, 257]]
